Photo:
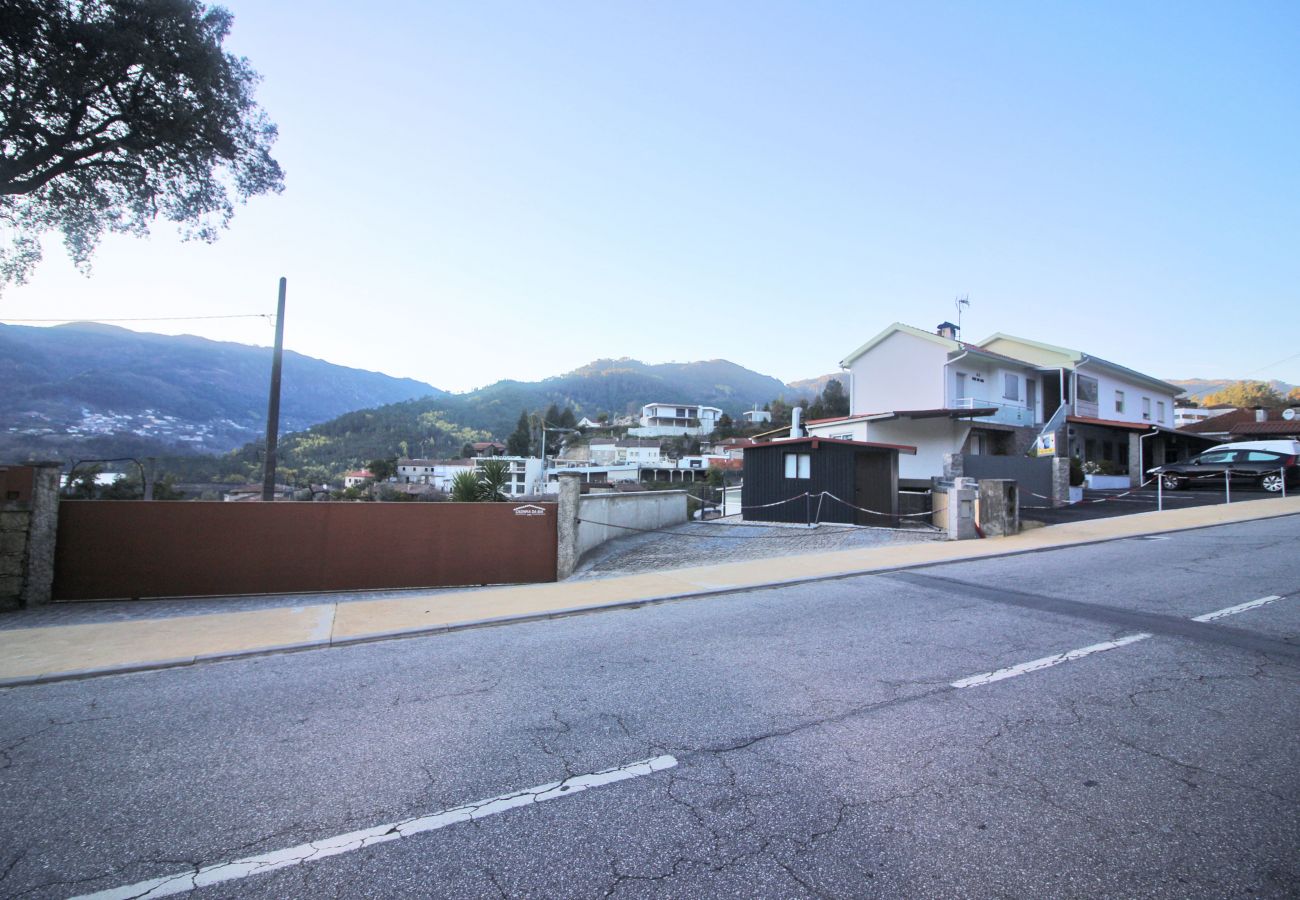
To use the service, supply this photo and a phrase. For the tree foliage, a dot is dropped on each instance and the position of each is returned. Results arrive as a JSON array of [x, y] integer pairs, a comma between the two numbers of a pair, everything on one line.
[[520, 441], [382, 469], [1245, 393], [114, 112]]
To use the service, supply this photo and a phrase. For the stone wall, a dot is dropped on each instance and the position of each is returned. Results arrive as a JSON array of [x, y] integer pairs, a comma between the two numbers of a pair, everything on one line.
[[29, 510]]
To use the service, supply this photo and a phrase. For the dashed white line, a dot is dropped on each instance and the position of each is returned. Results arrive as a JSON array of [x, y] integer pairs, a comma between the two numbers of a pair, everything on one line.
[[1047, 661], [1233, 610], [183, 882]]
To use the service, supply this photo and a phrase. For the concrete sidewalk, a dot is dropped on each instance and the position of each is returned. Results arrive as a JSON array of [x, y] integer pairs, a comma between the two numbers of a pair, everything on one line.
[[54, 653]]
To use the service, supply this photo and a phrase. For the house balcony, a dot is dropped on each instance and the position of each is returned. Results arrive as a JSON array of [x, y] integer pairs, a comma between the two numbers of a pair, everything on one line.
[[1006, 414]]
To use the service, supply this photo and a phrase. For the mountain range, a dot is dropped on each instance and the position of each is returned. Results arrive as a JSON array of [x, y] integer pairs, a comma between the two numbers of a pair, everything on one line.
[[1196, 388], [87, 390]]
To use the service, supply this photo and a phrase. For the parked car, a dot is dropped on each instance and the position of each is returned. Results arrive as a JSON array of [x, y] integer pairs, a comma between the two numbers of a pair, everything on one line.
[[1267, 468]]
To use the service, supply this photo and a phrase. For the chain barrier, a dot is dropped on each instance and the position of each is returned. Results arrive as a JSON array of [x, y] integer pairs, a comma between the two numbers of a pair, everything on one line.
[[1226, 476], [800, 535], [816, 521]]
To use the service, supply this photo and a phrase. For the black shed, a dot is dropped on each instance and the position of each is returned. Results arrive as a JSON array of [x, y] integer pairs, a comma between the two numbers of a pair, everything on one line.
[[833, 473]]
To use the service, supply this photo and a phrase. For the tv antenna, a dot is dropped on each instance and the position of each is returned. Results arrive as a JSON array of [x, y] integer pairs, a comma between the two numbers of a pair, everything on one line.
[[959, 302]]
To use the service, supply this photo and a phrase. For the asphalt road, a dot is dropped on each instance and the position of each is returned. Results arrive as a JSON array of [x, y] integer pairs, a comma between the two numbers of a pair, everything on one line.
[[807, 741]]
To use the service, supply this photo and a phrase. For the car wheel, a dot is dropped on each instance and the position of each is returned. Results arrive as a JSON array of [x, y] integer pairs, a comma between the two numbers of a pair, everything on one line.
[[1272, 482], [1171, 482]]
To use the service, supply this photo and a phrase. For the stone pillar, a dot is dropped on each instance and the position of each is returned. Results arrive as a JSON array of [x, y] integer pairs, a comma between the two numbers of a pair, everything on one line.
[[29, 522], [999, 507], [1135, 465], [566, 551], [952, 466], [1060, 480], [961, 511]]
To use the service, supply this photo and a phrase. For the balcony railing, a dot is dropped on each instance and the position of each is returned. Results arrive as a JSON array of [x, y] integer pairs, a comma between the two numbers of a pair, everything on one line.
[[1006, 414]]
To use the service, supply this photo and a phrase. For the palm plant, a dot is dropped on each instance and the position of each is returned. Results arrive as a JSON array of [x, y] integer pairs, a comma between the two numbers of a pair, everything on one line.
[[465, 488], [493, 476]]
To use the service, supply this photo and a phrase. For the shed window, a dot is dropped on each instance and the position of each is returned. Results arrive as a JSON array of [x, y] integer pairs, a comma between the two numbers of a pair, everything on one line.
[[1010, 386], [798, 465]]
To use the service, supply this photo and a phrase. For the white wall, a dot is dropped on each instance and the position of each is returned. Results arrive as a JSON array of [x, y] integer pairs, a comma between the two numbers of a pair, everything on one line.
[[642, 511], [932, 438], [1108, 383], [901, 372]]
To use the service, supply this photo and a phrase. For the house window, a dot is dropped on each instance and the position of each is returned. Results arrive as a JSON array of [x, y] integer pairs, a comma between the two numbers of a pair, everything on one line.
[[798, 465], [1160, 411], [1087, 389], [1010, 386], [1119, 401], [1146, 407], [842, 437]]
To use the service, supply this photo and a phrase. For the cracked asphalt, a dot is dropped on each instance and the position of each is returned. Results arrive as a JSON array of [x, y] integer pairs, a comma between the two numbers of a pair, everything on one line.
[[821, 748]]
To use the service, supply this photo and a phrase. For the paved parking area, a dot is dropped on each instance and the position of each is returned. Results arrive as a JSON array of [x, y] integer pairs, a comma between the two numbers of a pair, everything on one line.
[[1103, 504]]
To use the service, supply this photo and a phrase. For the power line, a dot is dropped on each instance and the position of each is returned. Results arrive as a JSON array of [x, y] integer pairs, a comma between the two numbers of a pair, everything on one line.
[[147, 318], [1272, 364]]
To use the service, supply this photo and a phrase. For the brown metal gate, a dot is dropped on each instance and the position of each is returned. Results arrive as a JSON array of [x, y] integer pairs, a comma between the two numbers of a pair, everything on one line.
[[133, 548]]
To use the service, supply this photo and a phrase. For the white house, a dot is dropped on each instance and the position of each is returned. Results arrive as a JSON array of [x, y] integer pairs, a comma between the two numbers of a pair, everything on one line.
[[638, 450], [356, 478], [437, 473], [1003, 396], [676, 419], [756, 416], [1190, 415]]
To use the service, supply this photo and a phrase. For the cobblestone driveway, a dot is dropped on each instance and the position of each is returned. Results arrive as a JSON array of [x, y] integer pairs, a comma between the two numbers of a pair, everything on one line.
[[705, 543]]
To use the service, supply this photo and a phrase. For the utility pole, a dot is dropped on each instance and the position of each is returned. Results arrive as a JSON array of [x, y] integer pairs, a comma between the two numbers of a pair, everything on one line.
[[273, 405]]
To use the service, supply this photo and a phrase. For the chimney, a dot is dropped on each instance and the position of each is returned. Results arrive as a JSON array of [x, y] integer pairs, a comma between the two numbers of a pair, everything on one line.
[[948, 330], [796, 422], [1261, 414]]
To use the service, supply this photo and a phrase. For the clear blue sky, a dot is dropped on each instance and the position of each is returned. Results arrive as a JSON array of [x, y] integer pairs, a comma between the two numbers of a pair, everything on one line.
[[508, 190]]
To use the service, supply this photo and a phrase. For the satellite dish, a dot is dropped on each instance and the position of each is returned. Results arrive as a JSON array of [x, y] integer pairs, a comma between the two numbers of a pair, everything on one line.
[[1288, 414]]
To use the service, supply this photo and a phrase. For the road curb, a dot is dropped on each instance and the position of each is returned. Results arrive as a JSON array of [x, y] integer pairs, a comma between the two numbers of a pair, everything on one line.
[[567, 612]]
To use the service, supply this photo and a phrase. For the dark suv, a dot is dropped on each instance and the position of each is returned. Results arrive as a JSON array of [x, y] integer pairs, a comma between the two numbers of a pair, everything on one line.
[[1264, 467]]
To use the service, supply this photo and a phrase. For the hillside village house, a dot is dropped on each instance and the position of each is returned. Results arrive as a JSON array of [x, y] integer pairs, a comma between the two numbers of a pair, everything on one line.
[[1259, 424], [756, 416], [1004, 395], [356, 478], [525, 472], [676, 419]]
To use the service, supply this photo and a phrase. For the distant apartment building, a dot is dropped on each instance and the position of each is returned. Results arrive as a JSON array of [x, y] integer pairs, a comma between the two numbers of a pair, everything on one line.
[[676, 419]]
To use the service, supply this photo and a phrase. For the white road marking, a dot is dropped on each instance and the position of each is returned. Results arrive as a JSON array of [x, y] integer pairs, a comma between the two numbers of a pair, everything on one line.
[[1047, 661], [1233, 610], [183, 882]]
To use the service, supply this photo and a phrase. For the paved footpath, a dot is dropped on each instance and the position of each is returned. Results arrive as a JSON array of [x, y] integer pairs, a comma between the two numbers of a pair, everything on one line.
[[52, 653]]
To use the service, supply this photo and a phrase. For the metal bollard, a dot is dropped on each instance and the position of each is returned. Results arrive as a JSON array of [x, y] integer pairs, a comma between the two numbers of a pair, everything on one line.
[[1227, 485]]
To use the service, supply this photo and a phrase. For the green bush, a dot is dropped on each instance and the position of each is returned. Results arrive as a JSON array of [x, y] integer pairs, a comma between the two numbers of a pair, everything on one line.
[[1076, 471]]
